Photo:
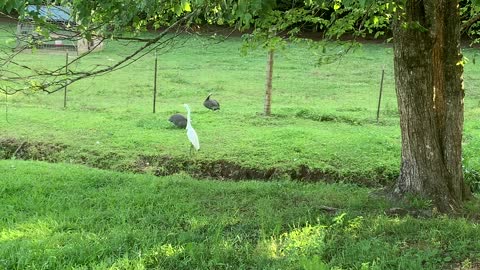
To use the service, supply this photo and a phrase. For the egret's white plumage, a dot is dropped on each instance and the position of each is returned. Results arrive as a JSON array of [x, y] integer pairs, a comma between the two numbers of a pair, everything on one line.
[[191, 134]]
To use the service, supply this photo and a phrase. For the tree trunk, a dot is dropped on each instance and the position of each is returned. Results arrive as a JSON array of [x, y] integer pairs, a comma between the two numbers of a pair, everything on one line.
[[267, 107], [429, 85]]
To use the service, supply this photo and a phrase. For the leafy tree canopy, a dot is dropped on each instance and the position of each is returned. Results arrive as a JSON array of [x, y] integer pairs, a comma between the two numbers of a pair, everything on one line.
[[332, 17]]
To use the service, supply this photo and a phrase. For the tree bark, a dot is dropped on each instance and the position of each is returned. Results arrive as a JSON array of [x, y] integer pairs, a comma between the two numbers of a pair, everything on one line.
[[429, 86], [267, 106]]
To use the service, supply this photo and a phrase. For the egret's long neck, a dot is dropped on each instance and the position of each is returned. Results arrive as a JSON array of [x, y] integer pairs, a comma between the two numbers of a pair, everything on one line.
[[188, 118]]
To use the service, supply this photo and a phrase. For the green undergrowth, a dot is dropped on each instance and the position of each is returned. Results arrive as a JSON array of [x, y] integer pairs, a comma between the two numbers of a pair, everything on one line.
[[324, 117], [59, 216]]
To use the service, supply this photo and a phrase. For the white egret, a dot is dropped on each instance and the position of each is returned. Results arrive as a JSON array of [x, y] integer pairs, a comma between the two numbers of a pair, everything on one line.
[[191, 134], [211, 103]]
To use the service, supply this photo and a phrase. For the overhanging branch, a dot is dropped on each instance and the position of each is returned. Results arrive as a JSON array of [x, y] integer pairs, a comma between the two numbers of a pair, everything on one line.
[[466, 25], [46, 80]]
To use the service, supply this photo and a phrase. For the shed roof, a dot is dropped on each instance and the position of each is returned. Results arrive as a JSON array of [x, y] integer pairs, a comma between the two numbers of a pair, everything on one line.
[[52, 13]]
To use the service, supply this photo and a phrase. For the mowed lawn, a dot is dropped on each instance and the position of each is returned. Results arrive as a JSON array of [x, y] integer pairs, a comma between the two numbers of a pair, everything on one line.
[[112, 113], [324, 117], [60, 216], [66, 216]]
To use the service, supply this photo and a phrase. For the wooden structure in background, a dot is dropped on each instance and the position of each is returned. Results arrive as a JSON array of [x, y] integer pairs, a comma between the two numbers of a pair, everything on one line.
[[62, 40]]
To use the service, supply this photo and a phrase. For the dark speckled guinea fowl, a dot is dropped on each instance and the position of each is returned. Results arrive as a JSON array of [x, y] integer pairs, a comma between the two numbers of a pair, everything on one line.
[[178, 120], [211, 104]]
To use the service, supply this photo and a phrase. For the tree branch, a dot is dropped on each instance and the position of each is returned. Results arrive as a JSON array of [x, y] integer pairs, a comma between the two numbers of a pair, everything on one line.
[[150, 45], [466, 25]]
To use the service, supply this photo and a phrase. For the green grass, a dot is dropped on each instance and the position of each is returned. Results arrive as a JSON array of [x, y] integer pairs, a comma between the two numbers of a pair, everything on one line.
[[59, 216], [324, 116], [112, 113], [64, 216]]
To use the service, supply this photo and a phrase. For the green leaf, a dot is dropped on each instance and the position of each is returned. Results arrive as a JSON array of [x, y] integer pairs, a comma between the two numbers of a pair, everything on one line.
[[186, 6]]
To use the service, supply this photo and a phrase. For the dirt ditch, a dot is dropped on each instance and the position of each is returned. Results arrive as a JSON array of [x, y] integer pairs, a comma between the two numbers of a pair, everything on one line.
[[162, 165]]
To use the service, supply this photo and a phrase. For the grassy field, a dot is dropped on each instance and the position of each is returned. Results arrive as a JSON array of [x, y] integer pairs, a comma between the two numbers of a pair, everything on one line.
[[323, 128], [60, 216], [323, 122]]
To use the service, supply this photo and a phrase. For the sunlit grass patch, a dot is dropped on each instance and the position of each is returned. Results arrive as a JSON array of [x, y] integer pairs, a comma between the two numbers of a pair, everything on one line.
[[59, 216]]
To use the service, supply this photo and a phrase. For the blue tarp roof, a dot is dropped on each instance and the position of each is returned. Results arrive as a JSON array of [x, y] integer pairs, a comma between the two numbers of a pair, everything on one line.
[[52, 13]]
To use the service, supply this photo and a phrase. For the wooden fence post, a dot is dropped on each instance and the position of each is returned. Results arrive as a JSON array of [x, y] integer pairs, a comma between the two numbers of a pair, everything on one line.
[[66, 74], [155, 84], [380, 94]]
